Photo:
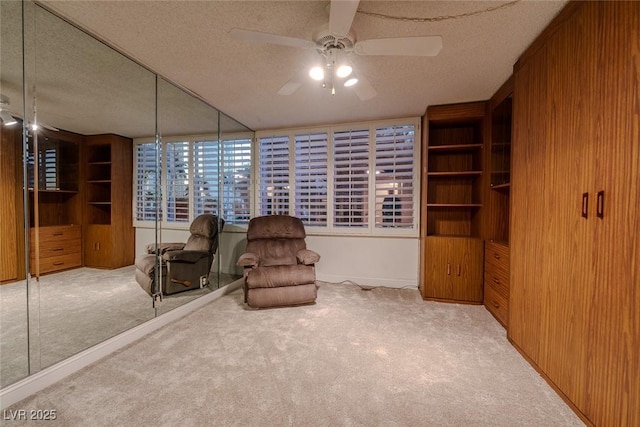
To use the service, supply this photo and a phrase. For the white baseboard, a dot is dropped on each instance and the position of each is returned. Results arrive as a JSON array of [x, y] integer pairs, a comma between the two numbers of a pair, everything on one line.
[[369, 281], [48, 376]]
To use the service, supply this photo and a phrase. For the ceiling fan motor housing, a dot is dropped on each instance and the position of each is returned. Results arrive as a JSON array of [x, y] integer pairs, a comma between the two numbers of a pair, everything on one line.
[[326, 42]]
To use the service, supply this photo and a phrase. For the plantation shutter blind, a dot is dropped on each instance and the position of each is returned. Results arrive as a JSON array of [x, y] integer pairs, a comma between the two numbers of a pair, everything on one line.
[[147, 182], [274, 175], [351, 178], [177, 157], [311, 178], [394, 178], [50, 167], [236, 164], [206, 161]]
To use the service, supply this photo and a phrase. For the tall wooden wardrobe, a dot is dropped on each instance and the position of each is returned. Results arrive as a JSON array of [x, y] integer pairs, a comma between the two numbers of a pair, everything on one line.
[[575, 195]]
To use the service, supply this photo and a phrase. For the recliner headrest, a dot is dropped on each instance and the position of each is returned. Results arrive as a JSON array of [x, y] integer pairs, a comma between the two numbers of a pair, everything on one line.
[[205, 225], [275, 227]]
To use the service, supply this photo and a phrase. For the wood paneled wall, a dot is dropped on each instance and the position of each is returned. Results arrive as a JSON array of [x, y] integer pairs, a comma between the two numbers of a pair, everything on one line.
[[11, 206], [575, 282]]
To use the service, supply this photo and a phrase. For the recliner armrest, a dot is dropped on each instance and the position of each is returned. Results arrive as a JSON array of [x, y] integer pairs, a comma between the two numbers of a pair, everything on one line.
[[307, 257], [161, 247], [185, 256], [248, 259]]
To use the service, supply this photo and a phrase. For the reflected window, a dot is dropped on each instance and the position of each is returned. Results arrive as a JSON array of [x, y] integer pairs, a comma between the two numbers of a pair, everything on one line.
[[236, 154], [194, 168], [206, 159], [147, 182], [177, 155]]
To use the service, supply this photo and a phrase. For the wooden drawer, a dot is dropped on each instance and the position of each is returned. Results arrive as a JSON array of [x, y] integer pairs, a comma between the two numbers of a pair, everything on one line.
[[497, 254], [57, 233], [497, 304], [60, 248], [62, 262], [498, 281]]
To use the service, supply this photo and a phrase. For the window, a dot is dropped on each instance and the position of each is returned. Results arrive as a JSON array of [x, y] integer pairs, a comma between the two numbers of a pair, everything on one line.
[[311, 178], [177, 157], [274, 175], [236, 164], [147, 182], [205, 177], [351, 178], [394, 176], [192, 186]]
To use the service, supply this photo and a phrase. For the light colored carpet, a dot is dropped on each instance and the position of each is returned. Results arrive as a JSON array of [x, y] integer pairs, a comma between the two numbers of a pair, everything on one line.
[[381, 357], [73, 311]]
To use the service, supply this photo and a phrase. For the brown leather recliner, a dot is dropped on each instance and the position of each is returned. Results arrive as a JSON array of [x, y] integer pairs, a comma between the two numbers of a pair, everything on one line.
[[185, 266], [279, 270]]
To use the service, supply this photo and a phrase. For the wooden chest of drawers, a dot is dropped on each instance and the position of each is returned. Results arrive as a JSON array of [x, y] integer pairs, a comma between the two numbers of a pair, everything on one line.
[[496, 280], [60, 248]]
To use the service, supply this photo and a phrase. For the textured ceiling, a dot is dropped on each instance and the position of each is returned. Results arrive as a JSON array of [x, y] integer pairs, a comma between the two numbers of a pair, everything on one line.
[[188, 42]]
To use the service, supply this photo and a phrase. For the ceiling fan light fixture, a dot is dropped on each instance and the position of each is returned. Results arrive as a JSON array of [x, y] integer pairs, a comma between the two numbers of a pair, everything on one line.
[[316, 73], [7, 118], [352, 81], [344, 71]]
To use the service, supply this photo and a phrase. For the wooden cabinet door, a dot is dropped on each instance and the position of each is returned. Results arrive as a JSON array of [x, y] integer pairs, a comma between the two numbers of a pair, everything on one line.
[[567, 272], [467, 268], [454, 268], [9, 143], [438, 268], [528, 222], [97, 246], [613, 386]]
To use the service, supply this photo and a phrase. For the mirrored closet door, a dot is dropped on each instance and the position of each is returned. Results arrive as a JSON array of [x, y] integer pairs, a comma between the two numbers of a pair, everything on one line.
[[105, 158], [84, 105]]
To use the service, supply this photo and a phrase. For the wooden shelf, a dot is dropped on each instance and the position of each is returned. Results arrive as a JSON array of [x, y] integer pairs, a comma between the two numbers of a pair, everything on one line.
[[504, 186], [100, 203], [100, 181], [454, 205], [55, 191], [454, 147], [454, 174], [100, 163]]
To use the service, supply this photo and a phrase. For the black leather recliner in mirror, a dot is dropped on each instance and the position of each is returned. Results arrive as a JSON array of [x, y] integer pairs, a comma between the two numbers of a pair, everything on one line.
[[185, 266]]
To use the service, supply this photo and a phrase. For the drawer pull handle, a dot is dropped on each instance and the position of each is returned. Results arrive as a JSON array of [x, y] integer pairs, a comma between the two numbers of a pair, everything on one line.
[[496, 256], [57, 249], [600, 205], [448, 269], [495, 304], [459, 269], [57, 233], [585, 205], [58, 263], [496, 280]]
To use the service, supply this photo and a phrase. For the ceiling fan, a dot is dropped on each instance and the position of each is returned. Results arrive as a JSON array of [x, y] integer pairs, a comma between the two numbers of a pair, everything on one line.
[[8, 117], [336, 44]]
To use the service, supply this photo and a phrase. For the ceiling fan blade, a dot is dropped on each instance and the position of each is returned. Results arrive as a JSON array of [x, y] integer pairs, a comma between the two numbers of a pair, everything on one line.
[[51, 128], [400, 46], [258, 37], [290, 87], [363, 89], [341, 14]]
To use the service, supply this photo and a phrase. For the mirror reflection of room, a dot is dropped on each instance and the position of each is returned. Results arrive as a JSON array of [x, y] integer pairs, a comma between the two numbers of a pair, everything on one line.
[[78, 208]]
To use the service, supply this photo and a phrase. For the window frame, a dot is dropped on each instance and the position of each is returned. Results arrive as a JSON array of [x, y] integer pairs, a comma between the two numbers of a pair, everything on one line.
[[371, 229], [191, 140]]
